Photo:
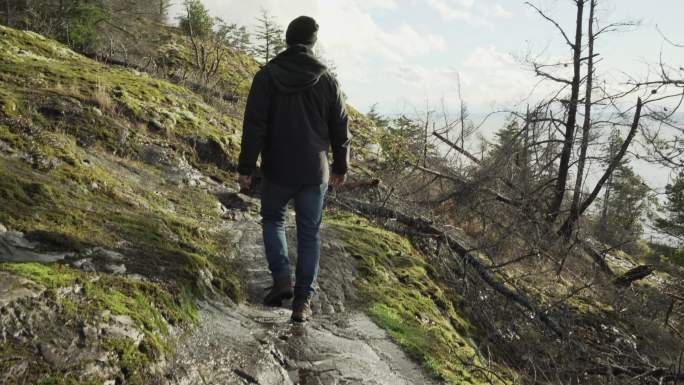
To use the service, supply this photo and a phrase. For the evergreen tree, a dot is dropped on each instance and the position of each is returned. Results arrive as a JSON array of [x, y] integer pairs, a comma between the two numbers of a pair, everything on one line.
[[376, 117], [510, 155], [673, 223], [196, 21], [80, 28], [235, 36], [625, 202], [270, 37], [162, 10], [73, 22]]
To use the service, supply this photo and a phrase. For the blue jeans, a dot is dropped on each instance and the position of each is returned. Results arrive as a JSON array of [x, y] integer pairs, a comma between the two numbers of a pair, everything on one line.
[[309, 200]]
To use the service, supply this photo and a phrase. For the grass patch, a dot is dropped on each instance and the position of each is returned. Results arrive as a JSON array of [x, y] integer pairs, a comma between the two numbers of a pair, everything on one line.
[[152, 308], [76, 206], [57, 89], [403, 299]]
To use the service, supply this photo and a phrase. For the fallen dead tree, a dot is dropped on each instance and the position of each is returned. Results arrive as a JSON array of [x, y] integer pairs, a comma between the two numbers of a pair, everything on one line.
[[597, 256], [594, 253], [360, 184], [662, 374], [460, 247], [635, 274], [497, 196]]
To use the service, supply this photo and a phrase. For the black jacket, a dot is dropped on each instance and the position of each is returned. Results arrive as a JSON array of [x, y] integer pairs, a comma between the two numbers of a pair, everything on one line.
[[294, 114]]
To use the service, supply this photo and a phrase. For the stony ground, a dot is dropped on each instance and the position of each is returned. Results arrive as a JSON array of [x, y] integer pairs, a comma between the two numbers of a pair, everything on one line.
[[253, 344], [116, 215]]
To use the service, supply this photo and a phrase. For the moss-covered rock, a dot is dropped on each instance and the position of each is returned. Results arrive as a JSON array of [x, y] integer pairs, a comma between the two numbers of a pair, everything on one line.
[[409, 303], [73, 179], [59, 90], [92, 307]]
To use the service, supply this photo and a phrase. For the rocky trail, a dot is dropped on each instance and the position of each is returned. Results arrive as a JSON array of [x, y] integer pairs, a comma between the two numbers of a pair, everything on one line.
[[244, 343], [253, 344]]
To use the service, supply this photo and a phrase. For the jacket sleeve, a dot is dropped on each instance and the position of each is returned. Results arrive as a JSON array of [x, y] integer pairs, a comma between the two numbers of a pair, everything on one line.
[[255, 125], [338, 126]]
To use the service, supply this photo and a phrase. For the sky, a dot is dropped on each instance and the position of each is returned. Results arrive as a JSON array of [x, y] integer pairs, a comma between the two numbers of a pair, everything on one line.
[[404, 55], [408, 56]]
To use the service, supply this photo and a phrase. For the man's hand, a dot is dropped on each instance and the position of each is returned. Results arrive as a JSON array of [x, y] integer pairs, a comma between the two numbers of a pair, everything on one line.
[[337, 180], [245, 182]]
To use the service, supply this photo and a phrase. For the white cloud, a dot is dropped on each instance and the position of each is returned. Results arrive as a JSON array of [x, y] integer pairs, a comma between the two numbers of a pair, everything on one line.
[[349, 35], [347, 27], [452, 10], [377, 63], [488, 77], [480, 13], [501, 12], [409, 74], [348, 32], [379, 4], [409, 42]]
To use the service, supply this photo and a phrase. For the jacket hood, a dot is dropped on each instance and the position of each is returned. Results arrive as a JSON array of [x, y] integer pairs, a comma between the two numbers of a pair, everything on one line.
[[295, 69]]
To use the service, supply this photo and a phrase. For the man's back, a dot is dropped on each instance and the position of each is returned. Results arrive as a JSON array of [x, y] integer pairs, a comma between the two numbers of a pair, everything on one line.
[[294, 114]]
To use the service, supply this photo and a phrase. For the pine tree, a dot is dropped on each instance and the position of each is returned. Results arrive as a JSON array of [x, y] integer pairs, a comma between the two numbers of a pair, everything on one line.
[[235, 36], [269, 36], [196, 22], [510, 153], [673, 223], [378, 119], [80, 28], [625, 202]]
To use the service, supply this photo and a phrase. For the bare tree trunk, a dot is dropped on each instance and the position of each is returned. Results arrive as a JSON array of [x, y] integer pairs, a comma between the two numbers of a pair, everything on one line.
[[462, 112], [606, 198], [609, 171], [163, 8], [8, 13], [568, 143], [425, 137], [456, 147], [586, 126]]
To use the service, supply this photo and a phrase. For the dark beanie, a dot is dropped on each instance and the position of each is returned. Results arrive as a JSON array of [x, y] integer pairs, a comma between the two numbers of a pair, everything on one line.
[[302, 30]]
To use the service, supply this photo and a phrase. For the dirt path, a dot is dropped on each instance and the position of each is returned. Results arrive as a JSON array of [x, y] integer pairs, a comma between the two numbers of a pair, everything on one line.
[[252, 344]]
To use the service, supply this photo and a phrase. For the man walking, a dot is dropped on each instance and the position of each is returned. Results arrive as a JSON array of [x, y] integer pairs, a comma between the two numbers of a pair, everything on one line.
[[294, 114]]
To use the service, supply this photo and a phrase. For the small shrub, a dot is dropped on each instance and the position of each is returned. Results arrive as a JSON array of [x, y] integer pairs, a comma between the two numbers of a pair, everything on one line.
[[102, 99]]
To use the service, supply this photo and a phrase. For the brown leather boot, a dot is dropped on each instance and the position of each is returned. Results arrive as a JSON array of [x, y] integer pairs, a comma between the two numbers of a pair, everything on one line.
[[282, 289], [301, 309]]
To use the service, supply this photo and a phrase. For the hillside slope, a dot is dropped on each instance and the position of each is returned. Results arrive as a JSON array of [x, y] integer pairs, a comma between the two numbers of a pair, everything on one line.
[[112, 171], [119, 220]]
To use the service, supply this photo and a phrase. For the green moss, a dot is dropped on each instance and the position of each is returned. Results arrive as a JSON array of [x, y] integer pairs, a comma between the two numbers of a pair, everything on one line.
[[235, 71], [53, 380], [42, 72], [50, 276], [148, 304], [145, 302], [33, 201], [166, 232], [49, 381], [589, 306], [8, 103], [131, 359], [78, 125], [11, 353], [7, 136], [403, 299]]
